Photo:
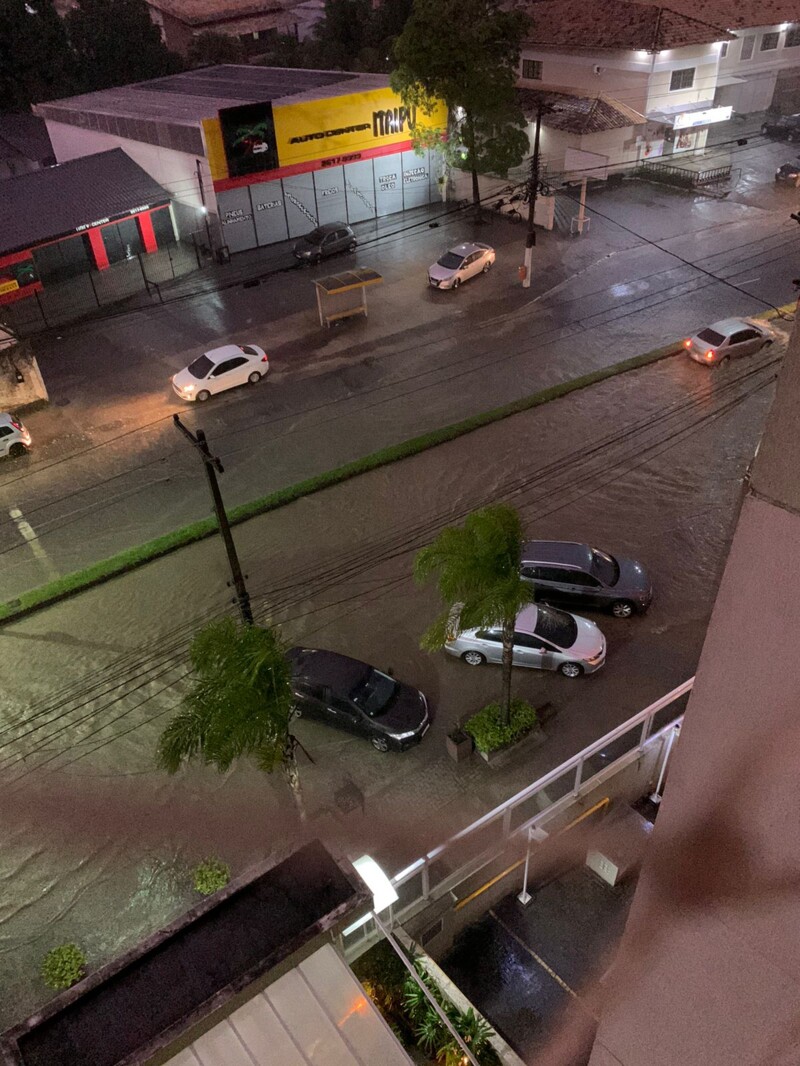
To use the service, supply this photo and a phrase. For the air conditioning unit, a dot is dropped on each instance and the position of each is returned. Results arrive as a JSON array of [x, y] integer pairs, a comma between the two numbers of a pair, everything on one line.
[[597, 69]]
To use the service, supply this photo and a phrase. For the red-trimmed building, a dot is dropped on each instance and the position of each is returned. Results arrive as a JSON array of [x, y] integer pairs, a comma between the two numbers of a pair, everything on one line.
[[70, 219]]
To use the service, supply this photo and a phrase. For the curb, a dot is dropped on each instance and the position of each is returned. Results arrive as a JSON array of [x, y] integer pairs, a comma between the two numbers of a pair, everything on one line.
[[132, 558]]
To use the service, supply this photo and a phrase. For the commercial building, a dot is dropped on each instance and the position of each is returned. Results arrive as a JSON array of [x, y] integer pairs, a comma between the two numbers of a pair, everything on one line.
[[256, 155], [680, 69], [64, 221]]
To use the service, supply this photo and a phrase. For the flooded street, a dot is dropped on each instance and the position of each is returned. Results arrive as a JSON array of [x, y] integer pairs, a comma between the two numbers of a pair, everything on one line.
[[96, 844]]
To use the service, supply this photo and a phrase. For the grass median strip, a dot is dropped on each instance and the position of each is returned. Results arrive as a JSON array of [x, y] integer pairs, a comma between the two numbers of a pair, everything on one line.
[[132, 558]]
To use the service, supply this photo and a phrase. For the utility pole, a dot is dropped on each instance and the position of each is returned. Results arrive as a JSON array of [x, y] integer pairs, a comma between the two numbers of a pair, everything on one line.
[[213, 466], [205, 206], [533, 188]]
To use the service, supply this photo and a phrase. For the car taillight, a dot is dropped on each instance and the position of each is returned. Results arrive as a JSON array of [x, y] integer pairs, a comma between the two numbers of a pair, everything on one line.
[[710, 353], [16, 424], [687, 344], [264, 359]]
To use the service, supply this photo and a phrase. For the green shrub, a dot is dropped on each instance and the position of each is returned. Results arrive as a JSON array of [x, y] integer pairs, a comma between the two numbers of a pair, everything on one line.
[[210, 876], [63, 966], [489, 734]]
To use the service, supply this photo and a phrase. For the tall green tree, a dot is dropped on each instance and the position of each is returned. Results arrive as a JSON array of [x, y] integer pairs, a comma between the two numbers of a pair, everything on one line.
[[241, 705], [210, 49], [115, 42], [35, 59], [341, 35], [466, 52], [477, 575]]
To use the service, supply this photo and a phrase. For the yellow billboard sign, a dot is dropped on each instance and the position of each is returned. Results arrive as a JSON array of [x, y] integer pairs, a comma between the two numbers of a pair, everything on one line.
[[243, 142], [8, 286], [345, 125]]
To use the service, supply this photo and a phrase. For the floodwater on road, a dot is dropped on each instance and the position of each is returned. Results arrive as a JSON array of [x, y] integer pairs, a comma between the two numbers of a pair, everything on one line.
[[96, 844]]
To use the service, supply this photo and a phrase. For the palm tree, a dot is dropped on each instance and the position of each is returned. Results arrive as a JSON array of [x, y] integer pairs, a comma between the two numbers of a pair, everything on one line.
[[241, 704], [477, 568]]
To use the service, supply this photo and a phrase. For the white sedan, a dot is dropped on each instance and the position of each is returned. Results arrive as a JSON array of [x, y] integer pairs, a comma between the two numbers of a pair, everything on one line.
[[220, 369], [460, 264], [728, 339]]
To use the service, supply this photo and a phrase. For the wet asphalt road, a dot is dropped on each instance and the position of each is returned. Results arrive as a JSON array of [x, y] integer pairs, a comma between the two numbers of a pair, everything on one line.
[[95, 843], [110, 471]]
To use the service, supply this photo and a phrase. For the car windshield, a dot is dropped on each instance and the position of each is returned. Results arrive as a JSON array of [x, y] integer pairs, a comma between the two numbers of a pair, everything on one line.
[[201, 367], [558, 627], [451, 261], [314, 237], [710, 336], [605, 567], [374, 693]]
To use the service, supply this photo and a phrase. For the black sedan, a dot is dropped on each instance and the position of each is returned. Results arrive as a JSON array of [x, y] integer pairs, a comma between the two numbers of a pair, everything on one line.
[[357, 698], [783, 128], [788, 174]]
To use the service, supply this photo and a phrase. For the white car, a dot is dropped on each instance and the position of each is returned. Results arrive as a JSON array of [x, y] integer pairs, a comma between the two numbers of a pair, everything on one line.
[[220, 369], [460, 264], [15, 439], [544, 638], [728, 339]]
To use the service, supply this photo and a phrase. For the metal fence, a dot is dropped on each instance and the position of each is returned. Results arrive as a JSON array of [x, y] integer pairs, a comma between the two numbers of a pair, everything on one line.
[[139, 277], [446, 867], [684, 177]]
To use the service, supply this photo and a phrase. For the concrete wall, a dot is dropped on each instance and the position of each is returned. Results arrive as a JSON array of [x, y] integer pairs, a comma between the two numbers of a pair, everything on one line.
[[621, 75], [15, 396]]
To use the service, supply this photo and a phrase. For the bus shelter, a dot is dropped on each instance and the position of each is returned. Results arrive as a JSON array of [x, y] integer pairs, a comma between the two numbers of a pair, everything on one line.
[[343, 295]]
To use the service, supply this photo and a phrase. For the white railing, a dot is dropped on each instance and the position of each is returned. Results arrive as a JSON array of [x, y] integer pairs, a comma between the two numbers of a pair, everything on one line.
[[449, 864]]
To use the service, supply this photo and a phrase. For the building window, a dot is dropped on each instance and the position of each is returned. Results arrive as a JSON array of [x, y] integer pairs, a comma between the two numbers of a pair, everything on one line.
[[769, 41], [532, 69], [723, 49], [681, 79], [747, 47], [792, 39]]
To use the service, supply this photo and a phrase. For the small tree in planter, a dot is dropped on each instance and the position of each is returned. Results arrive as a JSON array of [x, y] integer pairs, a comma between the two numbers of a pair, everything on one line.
[[477, 572], [490, 733], [63, 966], [210, 876]]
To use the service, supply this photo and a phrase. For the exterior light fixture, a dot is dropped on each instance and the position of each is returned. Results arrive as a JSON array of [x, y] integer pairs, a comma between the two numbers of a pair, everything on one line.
[[382, 889]]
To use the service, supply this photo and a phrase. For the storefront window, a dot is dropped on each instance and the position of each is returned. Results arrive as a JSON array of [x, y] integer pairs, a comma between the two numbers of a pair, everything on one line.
[[162, 227], [62, 260], [122, 240]]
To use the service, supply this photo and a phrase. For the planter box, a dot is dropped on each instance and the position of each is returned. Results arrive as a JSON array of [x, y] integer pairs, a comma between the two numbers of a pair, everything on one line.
[[459, 745], [501, 756]]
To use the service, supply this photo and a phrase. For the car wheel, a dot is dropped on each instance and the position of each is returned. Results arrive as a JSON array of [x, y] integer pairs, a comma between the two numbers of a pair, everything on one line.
[[571, 669], [254, 378], [767, 342], [474, 658], [203, 395], [16, 450], [622, 608], [380, 743], [487, 266], [456, 282], [298, 711], [352, 246]]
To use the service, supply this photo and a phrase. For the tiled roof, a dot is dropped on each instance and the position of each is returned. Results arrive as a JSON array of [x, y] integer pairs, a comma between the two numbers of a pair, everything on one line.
[[578, 114], [27, 134], [53, 202], [201, 12], [615, 24], [737, 14]]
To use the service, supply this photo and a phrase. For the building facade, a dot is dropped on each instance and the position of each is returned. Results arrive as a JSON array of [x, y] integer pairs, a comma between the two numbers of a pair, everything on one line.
[[255, 155]]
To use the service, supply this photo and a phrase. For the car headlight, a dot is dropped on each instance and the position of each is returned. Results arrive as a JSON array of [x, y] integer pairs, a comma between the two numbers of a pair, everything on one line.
[[404, 736]]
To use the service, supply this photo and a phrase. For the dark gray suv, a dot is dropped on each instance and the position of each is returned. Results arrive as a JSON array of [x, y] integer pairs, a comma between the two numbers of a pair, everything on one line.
[[325, 240], [575, 574]]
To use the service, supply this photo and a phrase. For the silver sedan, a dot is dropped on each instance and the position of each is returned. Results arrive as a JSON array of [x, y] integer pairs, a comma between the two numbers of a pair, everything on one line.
[[728, 339], [461, 263], [544, 638]]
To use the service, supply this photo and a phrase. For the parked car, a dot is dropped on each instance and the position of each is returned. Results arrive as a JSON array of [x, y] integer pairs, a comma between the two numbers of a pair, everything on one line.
[[357, 698], [579, 575], [220, 369], [325, 240], [15, 439], [461, 263], [783, 128], [544, 639], [788, 174], [728, 339]]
